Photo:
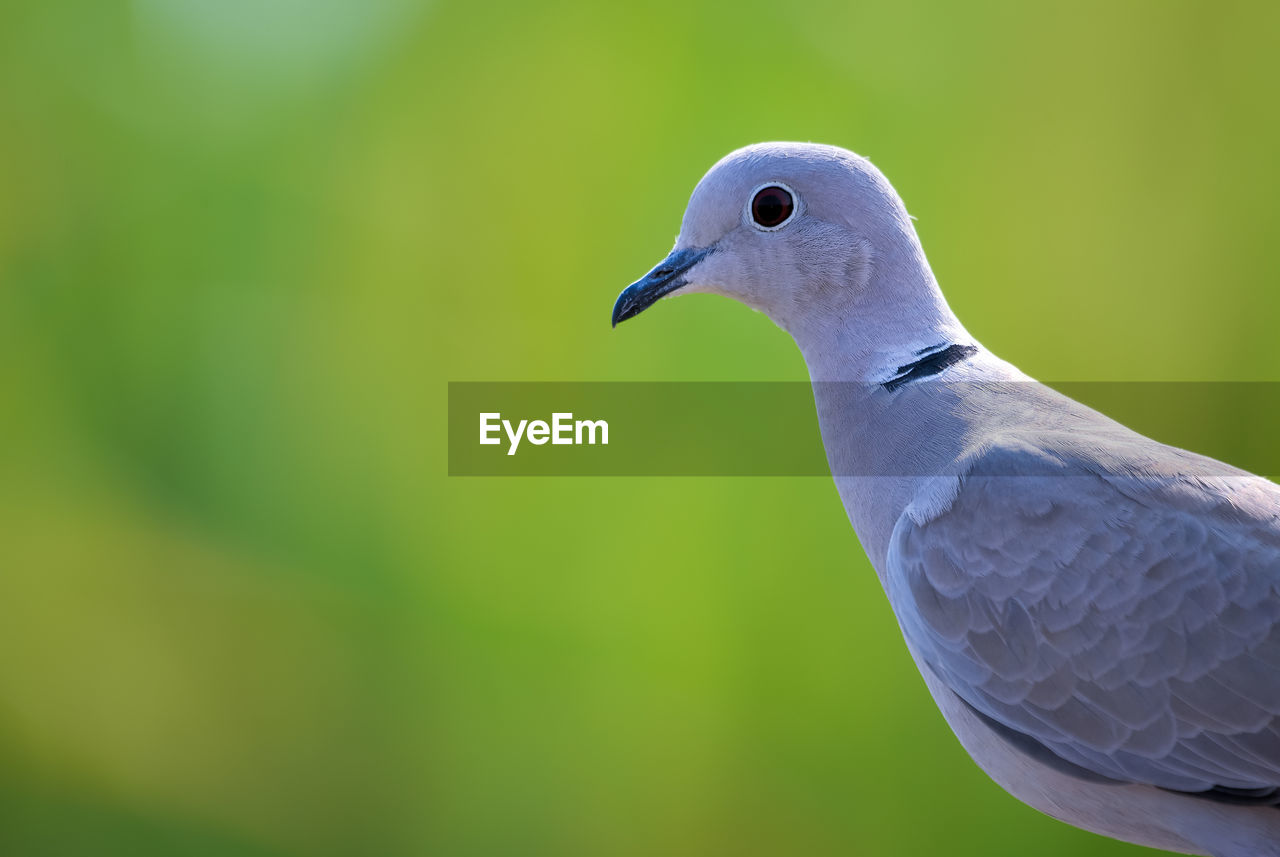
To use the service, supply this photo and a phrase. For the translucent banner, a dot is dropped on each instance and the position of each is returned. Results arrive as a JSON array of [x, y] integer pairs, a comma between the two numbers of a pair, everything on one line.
[[771, 428]]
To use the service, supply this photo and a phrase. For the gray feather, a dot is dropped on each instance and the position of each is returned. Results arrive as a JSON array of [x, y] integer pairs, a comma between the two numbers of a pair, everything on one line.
[[1127, 623]]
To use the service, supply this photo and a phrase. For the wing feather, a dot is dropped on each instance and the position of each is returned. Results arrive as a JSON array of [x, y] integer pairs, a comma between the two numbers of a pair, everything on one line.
[[1128, 624]]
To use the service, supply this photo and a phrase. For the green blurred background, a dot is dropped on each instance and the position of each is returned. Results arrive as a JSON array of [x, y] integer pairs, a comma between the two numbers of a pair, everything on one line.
[[243, 247]]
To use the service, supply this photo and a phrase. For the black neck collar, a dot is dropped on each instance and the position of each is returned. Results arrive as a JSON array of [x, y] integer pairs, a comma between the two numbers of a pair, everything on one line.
[[931, 361]]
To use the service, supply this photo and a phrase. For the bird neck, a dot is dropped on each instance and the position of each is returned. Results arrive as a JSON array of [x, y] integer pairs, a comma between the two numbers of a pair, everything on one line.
[[872, 355], [874, 330]]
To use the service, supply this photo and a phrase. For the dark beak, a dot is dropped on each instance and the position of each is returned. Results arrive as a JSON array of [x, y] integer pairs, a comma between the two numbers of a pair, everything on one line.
[[662, 280]]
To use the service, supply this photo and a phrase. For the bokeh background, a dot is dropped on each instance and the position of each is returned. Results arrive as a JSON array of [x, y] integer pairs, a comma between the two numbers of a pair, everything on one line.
[[243, 247]]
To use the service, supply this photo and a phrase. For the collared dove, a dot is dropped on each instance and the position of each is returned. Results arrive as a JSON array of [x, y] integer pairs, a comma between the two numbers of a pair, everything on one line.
[[1097, 615]]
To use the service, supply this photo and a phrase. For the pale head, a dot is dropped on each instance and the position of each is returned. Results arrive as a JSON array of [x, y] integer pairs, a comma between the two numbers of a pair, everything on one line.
[[843, 261]]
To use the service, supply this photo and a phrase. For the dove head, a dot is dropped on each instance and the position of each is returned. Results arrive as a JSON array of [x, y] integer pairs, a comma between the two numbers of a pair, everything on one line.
[[813, 236]]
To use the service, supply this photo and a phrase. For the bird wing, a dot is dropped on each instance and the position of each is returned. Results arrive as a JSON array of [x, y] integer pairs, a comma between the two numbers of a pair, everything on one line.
[[1130, 625]]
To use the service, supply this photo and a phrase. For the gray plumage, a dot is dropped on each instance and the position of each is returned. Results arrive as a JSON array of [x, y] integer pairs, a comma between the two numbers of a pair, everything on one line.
[[1096, 614], [1128, 624]]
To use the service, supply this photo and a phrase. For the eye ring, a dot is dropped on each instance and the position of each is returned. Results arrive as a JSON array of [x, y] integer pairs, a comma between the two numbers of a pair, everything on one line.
[[772, 206]]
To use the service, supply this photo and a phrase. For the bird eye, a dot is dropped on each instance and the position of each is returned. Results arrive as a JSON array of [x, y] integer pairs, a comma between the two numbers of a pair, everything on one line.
[[772, 206]]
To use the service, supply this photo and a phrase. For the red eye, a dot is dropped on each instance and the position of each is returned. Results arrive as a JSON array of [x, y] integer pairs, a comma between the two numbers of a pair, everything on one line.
[[772, 206]]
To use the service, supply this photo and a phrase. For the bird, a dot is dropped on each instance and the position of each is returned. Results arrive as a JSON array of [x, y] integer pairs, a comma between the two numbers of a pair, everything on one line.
[[1095, 614]]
